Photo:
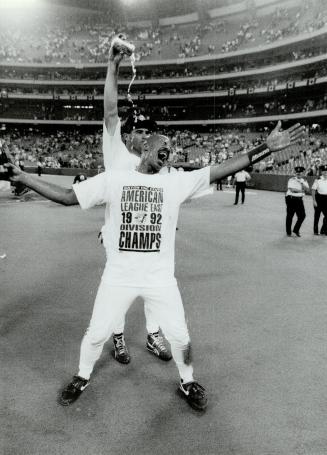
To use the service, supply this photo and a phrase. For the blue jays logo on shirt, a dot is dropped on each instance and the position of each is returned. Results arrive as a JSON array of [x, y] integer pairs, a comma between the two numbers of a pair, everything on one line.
[[141, 219]]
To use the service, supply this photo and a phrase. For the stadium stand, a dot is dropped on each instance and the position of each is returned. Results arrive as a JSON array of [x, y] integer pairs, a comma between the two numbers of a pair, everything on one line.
[[215, 81]]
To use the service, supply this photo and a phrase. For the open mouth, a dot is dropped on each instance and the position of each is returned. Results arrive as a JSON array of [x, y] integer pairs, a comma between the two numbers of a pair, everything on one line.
[[163, 154]]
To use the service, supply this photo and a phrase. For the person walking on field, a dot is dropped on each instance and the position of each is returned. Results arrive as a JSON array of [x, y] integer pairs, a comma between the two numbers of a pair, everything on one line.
[[39, 168], [296, 187], [319, 197], [240, 179]]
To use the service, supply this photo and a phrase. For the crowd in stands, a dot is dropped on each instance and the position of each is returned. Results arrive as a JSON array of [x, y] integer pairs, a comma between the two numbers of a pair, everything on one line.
[[60, 148], [74, 149], [187, 87], [85, 37], [229, 107], [318, 69], [237, 108]]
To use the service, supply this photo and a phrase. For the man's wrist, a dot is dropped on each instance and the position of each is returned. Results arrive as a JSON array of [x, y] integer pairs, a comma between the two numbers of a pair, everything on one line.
[[258, 153], [24, 178]]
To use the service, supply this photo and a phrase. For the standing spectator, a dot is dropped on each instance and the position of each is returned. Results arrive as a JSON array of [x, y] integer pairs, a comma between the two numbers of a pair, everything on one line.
[[296, 187], [240, 179], [39, 168], [219, 184], [319, 196]]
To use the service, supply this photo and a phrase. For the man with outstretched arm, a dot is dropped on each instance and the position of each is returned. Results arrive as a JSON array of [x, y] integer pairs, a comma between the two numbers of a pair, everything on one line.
[[140, 258]]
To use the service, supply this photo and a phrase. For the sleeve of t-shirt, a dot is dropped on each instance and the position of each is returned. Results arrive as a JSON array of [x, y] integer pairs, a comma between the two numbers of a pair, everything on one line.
[[315, 185], [290, 183], [113, 149], [191, 183], [93, 191]]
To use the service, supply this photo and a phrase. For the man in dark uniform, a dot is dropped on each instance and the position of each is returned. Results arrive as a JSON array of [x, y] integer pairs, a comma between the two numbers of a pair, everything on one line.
[[319, 196], [296, 187]]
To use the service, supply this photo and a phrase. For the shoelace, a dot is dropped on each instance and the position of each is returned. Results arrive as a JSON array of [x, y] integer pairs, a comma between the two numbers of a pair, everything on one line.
[[158, 342], [120, 345], [78, 382], [197, 389]]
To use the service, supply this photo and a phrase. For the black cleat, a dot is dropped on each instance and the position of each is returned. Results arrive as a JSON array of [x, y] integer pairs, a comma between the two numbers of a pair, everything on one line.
[[120, 351], [297, 234], [194, 394], [73, 390], [155, 344]]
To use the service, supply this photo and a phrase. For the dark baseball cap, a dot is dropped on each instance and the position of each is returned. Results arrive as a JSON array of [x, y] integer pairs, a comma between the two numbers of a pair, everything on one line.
[[299, 169], [134, 123]]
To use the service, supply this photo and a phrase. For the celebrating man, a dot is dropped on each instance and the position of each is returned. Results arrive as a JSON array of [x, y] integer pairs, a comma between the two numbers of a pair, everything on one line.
[[140, 236]]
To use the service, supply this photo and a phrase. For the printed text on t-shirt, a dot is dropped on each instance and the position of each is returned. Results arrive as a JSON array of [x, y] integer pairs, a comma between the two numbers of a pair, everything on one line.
[[141, 219]]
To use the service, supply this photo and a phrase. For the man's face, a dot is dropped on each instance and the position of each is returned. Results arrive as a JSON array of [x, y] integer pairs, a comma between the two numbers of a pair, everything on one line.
[[156, 152], [324, 174], [139, 138]]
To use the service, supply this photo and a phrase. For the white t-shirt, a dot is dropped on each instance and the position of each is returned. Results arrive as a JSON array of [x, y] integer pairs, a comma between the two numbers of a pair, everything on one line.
[[320, 185], [242, 176], [296, 183], [116, 156], [115, 153], [140, 232]]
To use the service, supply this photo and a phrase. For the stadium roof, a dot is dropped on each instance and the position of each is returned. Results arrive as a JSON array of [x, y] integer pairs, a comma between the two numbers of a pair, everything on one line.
[[146, 8]]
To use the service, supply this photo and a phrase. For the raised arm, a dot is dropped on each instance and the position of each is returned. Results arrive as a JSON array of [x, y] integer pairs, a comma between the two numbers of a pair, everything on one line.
[[276, 141], [119, 47], [56, 193]]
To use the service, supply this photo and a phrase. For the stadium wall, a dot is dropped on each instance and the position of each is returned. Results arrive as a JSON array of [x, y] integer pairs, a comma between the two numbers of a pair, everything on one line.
[[267, 182], [272, 182], [63, 171]]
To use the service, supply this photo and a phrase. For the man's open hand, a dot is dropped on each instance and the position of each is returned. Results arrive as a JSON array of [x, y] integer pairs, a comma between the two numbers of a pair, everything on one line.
[[278, 140]]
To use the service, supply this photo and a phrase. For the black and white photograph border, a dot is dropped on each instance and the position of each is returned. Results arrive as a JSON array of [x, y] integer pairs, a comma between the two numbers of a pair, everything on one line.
[[214, 78]]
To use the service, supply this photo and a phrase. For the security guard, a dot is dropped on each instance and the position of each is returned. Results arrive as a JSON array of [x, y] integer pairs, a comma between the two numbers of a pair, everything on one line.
[[240, 180], [319, 196], [296, 187]]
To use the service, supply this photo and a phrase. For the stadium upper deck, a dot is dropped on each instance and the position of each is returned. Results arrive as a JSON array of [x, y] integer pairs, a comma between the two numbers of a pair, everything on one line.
[[274, 65], [68, 35]]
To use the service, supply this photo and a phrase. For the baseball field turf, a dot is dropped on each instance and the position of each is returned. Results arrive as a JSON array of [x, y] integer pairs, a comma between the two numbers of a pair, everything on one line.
[[256, 305]]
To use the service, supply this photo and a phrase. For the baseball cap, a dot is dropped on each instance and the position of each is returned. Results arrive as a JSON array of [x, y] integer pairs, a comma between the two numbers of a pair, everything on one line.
[[299, 169], [133, 122]]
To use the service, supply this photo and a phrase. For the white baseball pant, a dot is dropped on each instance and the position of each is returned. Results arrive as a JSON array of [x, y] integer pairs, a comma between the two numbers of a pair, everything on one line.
[[112, 303]]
